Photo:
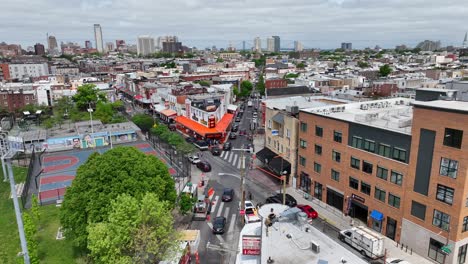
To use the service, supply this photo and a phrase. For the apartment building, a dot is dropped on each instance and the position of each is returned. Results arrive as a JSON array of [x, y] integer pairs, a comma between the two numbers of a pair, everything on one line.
[[396, 165]]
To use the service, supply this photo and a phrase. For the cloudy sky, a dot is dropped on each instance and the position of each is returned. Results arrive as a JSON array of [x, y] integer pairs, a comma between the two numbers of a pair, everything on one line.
[[202, 23]]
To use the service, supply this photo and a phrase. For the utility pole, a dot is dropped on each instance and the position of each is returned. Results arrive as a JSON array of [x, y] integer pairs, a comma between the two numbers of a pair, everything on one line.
[[242, 174]]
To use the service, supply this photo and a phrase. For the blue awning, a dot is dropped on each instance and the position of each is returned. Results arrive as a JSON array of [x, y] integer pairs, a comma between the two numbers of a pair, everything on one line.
[[376, 215]]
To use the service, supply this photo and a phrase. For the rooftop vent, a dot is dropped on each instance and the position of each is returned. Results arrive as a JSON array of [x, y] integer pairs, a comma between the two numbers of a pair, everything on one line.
[[315, 247]]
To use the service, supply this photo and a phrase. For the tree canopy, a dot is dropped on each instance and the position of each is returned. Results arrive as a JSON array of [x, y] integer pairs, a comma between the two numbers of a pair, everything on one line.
[[143, 121], [261, 84], [122, 170], [135, 231], [385, 70], [88, 94]]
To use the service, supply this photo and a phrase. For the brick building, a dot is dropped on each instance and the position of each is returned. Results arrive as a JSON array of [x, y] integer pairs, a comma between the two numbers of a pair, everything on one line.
[[14, 100], [275, 83]]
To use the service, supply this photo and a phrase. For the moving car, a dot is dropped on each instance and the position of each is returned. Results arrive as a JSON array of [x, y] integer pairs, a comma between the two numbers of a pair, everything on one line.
[[311, 213], [194, 159], [278, 198], [242, 132], [235, 128], [215, 151], [250, 213], [228, 194], [254, 115], [219, 223], [204, 166], [232, 135], [227, 146]]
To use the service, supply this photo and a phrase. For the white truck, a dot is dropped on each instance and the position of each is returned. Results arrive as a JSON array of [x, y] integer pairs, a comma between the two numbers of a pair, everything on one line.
[[249, 103], [366, 241]]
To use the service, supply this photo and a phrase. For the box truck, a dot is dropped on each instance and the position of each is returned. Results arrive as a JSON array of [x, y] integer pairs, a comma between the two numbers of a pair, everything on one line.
[[366, 241]]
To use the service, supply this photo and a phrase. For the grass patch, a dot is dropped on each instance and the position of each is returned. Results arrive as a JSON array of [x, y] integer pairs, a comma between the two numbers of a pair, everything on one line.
[[50, 249], [8, 225]]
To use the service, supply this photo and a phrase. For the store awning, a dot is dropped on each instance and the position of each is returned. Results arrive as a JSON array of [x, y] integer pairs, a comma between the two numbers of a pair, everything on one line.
[[168, 112], [376, 215], [224, 123], [265, 155], [278, 118], [195, 126], [278, 165]]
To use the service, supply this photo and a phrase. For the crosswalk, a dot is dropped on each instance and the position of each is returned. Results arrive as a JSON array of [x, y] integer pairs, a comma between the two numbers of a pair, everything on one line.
[[220, 208], [234, 158]]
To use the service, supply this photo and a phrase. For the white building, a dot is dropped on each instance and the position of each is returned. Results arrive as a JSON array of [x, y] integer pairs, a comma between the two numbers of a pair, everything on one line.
[[257, 45], [270, 44], [98, 38], [145, 45], [20, 71], [298, 46]]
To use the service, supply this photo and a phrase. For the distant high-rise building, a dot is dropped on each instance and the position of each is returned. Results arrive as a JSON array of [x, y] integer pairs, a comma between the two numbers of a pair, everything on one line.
[[428, 45], [277, 44], [401, 47], [257, 45], [109, 46], [120, 44], [243, 45], [98, 38], [39, 49], [52, 44], [465, 41], [346, 46], [170, 44], [145, 45], [88, 44], [270, 44], [298, 46]]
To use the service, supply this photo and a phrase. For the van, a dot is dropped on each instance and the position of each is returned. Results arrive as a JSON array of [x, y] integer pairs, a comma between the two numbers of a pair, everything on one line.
[[369, 243]]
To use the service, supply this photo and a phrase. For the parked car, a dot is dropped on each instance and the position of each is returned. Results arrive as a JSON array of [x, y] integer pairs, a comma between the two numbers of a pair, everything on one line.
[[278, 198], [228, 194], [204, 166], [215, 151], [232, 135], [235, 128], [238, 119], [201, 145], [194, 159], [242, 132], [227, 146], [311, 213], [219, 223]]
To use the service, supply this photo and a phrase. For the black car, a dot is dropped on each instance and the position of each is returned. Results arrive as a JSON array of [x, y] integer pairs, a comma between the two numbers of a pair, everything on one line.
[[227, 146], [228, 194], [278, 198], [232, 136], [219, 223], [204, 166], [234, 128], [238, 119], [215, 151]]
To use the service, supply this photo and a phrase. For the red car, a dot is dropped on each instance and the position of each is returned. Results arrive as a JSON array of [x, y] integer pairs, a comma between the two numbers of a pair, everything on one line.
[[311, 213]]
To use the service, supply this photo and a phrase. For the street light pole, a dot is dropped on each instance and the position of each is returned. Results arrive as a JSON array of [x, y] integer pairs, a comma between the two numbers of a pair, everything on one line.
[[90, 110]]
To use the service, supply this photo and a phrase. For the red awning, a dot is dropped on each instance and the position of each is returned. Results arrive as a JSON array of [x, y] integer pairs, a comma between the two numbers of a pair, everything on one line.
[[195, 126], [223, 124]]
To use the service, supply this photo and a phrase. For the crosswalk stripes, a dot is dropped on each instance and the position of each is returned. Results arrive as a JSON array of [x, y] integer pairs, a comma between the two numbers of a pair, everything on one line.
[[234, 159], [220, 210], [216, 200]]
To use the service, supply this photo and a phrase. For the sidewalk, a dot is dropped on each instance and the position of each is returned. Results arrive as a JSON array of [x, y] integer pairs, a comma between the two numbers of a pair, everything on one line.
[[336, 218]]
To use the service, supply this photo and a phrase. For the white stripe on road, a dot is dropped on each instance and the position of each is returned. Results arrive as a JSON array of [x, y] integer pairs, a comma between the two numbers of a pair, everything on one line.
[[230, 157], [221, 239], [213, 207], [239, 165], [231, 224], [220, 210], [224, 154], [243, 163], [226, 213]]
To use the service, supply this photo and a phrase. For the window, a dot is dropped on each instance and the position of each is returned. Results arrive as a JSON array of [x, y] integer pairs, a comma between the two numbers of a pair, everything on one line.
[[382, 173], [453, 138], [303, 127], [317, 167], [318, 131], [445, 194], [357, 142], [336, 156], [399, 154], [465, 224], [367, 167], [448, 168], [353, 183], [441, 220], [380, 194], [435, 251], [385, 150], [269, 124], [365, 188], [369, 145], [396, 178], [462, 254], [302, 161], [303, 143], [355, 163], [418, 210], [335, 175], [318, 149], [393, 200], [337, 136], [288, 133]]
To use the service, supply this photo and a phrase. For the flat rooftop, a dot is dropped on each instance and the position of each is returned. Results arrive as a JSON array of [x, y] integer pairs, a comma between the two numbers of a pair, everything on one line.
[[302, 102], [443, 104], [394, 114]]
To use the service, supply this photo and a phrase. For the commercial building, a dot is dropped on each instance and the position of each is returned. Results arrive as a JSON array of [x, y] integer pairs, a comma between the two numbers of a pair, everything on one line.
[[39, 49], [270, 44], [277, 45], [257, 45], [52, 46], [396, 165], [20, 71], [346, 46], [145, 45], [298, 46], [110, 46], [172, 47], [98, 38], [88, 44]]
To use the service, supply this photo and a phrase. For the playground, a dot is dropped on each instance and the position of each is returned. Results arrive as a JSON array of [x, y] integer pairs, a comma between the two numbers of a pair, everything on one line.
[[59, 170]]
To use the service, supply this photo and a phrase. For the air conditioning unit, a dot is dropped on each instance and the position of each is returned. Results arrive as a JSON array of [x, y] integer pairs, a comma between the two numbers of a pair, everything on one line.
[[315, 247], [402, 102], [397, 102], [333, 109]]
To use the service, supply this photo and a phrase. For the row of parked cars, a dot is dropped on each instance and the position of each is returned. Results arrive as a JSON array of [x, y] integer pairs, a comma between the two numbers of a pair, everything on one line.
[[219, 223], [291, 202]]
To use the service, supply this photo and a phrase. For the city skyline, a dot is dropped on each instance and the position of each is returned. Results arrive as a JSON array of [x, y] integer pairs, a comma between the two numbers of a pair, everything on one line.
[[392, 23]]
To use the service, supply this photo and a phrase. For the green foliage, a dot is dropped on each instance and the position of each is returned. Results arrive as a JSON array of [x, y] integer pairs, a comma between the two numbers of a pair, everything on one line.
[[136, 231], [49, 123], [169, 65], [261, 85], [186, 203], [30, 231], [260, 62], [173, 138], [104, 112], [88, 94], [246, 87], [363, 64], [301, 65], [204, 83], [68, 57], [143, 121], [385, 70], [122, 170], [35, 212], [219, 60], [291, 75]]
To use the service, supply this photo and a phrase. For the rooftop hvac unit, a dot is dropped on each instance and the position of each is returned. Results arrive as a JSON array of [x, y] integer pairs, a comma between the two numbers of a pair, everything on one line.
[[294, 109], [397, 102], [402, 102], [333, 109], [315, 247]]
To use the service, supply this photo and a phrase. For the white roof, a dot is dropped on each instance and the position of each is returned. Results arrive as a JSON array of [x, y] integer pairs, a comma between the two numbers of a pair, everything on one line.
[[441, 104]]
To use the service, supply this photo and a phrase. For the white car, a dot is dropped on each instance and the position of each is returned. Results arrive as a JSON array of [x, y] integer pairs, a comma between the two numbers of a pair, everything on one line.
[[251, 215], [396, 261], [194, 159]]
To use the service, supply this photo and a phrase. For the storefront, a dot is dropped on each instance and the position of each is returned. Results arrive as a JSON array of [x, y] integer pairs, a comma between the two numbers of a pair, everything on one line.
[[376, 218], [201, 132], [335, 199]]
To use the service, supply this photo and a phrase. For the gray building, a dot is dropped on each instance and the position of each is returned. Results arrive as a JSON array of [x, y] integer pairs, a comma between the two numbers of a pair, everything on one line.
[[277, 46], [98, 38], [347, 46]]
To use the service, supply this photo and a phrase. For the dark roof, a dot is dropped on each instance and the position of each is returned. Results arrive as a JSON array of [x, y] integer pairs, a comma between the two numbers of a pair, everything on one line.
[[290, 90], [279, 165], [265, 154], [277, 66]]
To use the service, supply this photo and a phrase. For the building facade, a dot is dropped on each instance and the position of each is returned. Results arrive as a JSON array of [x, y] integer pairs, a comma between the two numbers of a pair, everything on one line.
[[20, 71], [39, 49], [145, 45], [98, 38], [257, 45]]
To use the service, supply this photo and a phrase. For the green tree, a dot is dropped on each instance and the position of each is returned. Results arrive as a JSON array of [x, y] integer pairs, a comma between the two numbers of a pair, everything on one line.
[[122, 170], [143, 121], [136, 231], [204, 83], [49, 123], [291, 75], [88, 94], [301, 65], [385, 70], [363, 64], [261, 85], [104, 112], [30, 231], [186, 203], [219, 60], [246, 87]]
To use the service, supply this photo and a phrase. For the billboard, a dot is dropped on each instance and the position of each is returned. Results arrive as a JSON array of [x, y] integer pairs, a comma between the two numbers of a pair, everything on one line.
[[251, 245]]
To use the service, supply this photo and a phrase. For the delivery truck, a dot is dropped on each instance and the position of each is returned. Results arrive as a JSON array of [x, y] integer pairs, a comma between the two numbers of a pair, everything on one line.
[[366, 241]]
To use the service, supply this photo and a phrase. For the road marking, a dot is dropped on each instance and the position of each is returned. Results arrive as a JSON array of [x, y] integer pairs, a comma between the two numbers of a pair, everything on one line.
[[243, 163], [221, 239], [213, 207], [225, 153], [231, 156], [220, 209], [226, 213], [239, 165], [231, 224], [210, 225], [229, 174]]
